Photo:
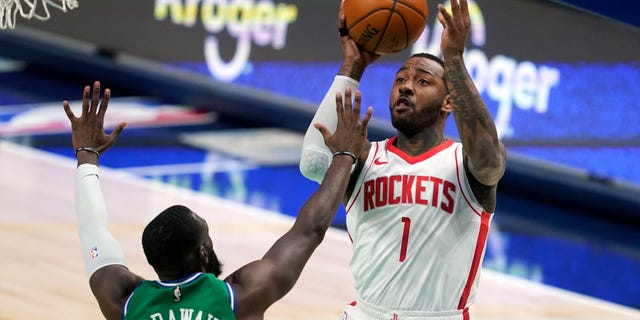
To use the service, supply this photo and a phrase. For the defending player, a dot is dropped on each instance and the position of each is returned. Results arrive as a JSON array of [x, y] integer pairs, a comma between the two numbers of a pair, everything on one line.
[[177, 242]]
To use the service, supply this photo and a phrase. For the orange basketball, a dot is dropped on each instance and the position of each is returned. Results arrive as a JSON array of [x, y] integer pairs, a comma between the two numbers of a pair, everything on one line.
[[385, 26]]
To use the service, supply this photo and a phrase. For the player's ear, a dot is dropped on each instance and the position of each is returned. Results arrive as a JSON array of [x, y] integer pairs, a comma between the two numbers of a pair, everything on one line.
[[447, 106], [203, 255]]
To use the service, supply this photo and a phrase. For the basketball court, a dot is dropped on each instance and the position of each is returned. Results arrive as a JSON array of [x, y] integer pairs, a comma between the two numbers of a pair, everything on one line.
[[43, 274], [230, 185]]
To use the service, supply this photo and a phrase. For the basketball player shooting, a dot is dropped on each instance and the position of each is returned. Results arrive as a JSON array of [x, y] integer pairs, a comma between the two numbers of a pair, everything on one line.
[[418, 205], [177, 244]]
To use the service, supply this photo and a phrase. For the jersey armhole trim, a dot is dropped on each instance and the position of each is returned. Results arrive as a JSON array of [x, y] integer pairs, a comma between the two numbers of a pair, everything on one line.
[[232, 297], [465, 188], [361, 175]]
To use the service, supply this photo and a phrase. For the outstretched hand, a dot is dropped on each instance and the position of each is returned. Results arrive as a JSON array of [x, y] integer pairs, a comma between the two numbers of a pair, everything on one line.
[[351, 132], [87, 131], [456, 28]]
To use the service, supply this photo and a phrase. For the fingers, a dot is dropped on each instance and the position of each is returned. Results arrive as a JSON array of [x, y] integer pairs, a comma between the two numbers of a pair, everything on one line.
[[367, 117], [340, 103], [111, 138], [85, 101], [356, 106], [68, 111], [104, 104], [455, 7], [323, 130], [349, 104], [464, 12], [355, 110], [350, 132], [464, 7], [341, 16], [90, 104], [459, 13], [95, 98], [441, 19], [443, 16], [116, 132]]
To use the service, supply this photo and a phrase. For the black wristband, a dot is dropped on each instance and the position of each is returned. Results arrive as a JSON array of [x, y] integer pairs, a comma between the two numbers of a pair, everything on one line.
[[88, 149], [346, 153]]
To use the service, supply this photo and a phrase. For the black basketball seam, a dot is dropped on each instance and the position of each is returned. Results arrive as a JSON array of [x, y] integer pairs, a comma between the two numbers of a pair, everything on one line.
[[350, 26], [412, 7], [404, 21], [406, 31], [386, 25], [388, 22]]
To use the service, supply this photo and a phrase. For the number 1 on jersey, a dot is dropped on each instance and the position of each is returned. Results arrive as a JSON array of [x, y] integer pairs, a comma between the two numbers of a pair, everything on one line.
[[405, 238]]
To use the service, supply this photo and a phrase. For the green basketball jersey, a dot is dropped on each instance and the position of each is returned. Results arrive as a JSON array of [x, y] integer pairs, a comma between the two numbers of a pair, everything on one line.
[[200, 296]]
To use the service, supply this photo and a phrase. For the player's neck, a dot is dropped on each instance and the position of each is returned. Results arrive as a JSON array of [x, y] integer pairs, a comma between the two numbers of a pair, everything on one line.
[[419, 143]]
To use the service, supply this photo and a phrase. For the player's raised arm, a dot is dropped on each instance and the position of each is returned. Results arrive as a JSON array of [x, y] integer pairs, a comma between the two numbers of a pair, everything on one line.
[[261, 283], [109, 278], [485, 155], [315, 157]]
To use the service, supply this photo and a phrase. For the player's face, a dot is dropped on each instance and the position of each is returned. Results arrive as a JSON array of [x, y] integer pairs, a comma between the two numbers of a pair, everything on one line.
[[417, 95]]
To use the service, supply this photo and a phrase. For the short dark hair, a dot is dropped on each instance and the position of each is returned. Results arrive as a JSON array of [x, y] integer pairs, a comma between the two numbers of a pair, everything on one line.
[[172, 238], [428, 56]]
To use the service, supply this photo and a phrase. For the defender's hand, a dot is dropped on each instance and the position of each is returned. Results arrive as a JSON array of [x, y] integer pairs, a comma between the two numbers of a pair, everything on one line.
[[87, 131], [351, 132]]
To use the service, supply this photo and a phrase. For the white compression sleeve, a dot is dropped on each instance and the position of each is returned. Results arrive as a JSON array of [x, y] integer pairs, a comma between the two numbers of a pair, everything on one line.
[[99, 248], [316, 157]]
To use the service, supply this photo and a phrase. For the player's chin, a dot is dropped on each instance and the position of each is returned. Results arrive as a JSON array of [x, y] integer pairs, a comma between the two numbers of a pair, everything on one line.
[[400, 113], [402, 121]]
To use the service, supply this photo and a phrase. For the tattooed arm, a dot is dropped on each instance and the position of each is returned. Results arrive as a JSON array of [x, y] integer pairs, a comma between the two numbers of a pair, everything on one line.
[[485, 156]]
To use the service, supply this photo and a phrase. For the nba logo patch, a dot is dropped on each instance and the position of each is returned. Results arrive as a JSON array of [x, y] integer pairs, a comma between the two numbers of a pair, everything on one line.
[[93, 252]]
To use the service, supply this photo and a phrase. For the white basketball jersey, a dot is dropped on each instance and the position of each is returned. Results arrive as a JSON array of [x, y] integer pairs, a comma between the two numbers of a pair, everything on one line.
[[418, 232]]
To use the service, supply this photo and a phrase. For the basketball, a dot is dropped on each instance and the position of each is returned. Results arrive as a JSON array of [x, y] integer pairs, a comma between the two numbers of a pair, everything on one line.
[[385, 26]]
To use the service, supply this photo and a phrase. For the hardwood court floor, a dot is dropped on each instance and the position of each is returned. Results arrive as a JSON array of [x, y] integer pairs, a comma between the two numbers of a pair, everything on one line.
[[43, 276]]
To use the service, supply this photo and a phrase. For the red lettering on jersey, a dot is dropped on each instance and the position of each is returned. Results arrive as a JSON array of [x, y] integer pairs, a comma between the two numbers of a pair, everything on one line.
[[407, 184], [393, 180], [382, 188], [446, 191], [408, 189], [369, 193], [436, 190], [421, 189]]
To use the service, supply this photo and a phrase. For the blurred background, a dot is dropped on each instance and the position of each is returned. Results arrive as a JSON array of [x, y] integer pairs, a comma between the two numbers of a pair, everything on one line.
[[218, 95]]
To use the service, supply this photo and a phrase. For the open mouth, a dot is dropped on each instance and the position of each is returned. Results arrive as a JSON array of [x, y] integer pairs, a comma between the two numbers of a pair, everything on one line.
[[402, 104]]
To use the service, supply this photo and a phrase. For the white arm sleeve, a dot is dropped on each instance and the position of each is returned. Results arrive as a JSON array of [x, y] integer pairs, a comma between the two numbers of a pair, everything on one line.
[[316, 157], [99, 248]]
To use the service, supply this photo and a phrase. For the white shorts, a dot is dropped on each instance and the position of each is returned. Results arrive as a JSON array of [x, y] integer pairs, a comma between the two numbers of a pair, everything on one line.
[[361, 310]]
